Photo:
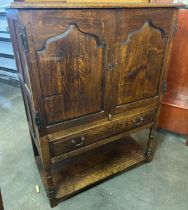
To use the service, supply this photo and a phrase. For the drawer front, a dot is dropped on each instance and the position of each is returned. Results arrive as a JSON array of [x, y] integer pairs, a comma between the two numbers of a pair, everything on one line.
[[82, 139]]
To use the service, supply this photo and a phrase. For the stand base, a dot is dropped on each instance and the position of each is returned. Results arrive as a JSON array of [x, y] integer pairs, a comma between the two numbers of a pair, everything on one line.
[[80, 172]]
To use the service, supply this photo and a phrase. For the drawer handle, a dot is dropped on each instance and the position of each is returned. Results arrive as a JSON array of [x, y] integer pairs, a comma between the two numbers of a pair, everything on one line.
[[79, 142], [138, 121]]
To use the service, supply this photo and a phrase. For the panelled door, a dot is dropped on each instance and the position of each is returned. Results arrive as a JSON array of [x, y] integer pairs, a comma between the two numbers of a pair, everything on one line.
[[139, 60], [73, 51], [72, 76]]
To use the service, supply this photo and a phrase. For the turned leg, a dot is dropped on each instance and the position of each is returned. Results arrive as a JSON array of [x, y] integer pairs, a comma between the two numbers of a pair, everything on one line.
[[150, 145], [50, 188]]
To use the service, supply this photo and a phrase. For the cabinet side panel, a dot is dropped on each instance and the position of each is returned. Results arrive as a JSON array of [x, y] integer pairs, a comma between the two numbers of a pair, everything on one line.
[[21, 62]]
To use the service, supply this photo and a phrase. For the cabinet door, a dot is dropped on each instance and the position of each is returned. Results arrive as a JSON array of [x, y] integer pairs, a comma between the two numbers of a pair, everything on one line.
[[72, 76], [139, 63]]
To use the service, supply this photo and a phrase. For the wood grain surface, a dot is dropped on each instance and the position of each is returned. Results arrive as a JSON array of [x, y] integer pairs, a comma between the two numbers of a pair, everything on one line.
[[140, 66], [91, 74], [91, 168], [76, 80], [83, 87]]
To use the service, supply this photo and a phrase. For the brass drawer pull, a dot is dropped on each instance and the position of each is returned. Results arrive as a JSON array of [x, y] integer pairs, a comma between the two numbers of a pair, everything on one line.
[[138, 121], [78, 142]]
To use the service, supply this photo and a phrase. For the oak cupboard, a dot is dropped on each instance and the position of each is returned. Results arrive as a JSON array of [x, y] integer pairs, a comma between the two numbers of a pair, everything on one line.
[[91, 74]]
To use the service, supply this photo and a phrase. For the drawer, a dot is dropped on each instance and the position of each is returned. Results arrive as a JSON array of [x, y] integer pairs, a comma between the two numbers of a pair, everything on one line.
[[81, 139]]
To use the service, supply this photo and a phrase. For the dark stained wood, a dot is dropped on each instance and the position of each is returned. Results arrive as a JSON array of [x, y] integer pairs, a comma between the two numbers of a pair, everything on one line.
[[140, 67], [90, 75], [90, 136], [98, 30], [174, 110], [99, 143], [75, 174], [76, 82]]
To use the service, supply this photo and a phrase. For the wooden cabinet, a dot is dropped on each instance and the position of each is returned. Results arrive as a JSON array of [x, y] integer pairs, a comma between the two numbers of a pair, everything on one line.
[[91, 74]]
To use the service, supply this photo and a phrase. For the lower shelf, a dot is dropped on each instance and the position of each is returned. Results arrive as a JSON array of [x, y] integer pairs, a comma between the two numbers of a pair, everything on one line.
[[73, 175]]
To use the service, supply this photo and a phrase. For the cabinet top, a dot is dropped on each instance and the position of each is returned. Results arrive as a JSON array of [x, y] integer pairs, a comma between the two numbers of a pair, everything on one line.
[[87, 5]]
